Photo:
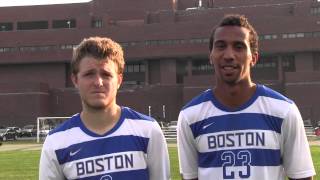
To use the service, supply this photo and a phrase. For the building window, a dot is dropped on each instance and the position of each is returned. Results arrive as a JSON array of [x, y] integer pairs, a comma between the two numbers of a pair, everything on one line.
[[288, 63], [266, 68], [269, 36], [292, 35], [7, 49], [30, 25], [68, 46], [308, 35], [315, 10], [201, 66], [316, 34], [135, 68], [6, 26], [27, 48], [316, 61], [124, 44], [142, 68], [182, 71], [96, 23], [300, 35], [129, 68], [196, 41], [66, 23], [266, 63]]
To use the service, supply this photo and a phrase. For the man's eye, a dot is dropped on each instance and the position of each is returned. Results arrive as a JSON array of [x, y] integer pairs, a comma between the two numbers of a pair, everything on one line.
[[220, 46], [88, 74], [240, 46], [106, 75]]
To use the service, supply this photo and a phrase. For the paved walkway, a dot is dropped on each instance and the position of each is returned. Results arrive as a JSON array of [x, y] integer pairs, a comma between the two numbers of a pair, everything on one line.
[[20, 147], [315, 143], [29, 147]]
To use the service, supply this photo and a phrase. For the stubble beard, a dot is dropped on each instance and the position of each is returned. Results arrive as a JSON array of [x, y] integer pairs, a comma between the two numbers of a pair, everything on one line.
[[89, 106], [230, 80]]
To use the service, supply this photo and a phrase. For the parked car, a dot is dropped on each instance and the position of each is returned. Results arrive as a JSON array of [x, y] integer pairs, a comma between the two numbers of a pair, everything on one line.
[[6, 134], [29, 130], [317, 131], [17, 129], [44, 132]]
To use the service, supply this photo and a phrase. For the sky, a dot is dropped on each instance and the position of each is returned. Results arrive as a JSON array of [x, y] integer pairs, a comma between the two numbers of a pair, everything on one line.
[[36, 2]]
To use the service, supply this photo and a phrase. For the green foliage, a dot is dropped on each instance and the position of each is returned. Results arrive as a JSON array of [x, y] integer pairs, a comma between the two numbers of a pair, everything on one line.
[[22, 164]]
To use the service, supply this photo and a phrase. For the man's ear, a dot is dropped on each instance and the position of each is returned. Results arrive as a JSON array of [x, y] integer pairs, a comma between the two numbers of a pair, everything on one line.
[[255, 57], [210, 59], [120, 78], [74, 79]]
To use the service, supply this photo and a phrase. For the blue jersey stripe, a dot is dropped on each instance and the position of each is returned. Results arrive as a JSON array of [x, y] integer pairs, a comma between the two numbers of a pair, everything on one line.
[[72, 122], [203, 97], [101, 147], [141, 174], [233, 122], [253, 157], [131, 114], [75, 121], [267, 92], [261, 90]]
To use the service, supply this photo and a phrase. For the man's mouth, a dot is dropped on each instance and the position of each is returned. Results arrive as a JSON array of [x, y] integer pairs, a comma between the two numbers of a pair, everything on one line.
[[229, 67], [98, 92]]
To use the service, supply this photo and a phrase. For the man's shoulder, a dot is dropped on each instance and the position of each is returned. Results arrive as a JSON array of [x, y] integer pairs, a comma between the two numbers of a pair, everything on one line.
[[202, 97], [270, 93], [72, 122], [135, 115]]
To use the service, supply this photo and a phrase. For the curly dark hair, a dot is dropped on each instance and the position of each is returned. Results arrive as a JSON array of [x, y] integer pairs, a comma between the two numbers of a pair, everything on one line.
[[241, 21]]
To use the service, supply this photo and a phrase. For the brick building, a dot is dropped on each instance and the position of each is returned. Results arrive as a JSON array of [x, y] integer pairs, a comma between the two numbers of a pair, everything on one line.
[[166, 50]]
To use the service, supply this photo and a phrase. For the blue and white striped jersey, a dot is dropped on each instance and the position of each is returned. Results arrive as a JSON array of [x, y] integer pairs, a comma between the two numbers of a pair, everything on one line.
[[261, 140], [134, 149]]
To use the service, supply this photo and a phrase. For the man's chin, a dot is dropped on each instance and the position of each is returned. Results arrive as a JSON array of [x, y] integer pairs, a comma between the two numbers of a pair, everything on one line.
[[230, 80], [96, 106]]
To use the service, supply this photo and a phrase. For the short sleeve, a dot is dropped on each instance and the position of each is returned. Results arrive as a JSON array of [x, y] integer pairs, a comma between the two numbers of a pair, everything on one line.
[[49, 168], [187, 151], [157, 155], [297, 160]]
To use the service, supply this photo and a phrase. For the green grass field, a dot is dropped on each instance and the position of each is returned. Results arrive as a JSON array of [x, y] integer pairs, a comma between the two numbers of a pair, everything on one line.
[[23, 164]]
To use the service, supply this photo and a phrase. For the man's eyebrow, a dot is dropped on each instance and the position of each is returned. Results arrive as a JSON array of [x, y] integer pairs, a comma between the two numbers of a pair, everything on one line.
[[219, 41], [240, 42]]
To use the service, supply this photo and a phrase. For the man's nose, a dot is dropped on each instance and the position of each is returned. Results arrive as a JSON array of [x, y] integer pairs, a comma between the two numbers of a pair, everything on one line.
[[98, 81], [229, 53]]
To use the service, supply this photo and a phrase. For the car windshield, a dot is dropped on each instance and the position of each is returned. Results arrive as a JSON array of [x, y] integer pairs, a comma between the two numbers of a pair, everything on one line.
[[2, 130], [28, 127]]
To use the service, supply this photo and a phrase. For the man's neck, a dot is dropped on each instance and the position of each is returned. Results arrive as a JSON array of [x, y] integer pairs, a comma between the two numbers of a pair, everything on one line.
[[101, 121], [234, 96]]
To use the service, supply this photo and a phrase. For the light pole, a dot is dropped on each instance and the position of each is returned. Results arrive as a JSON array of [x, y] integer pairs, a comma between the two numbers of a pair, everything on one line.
[[164, 111], [69, 24], [149, 109]]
